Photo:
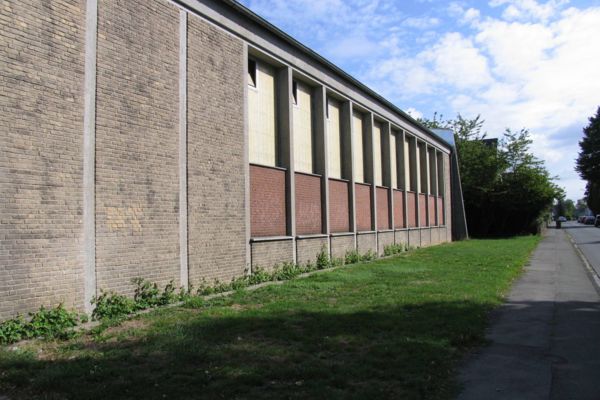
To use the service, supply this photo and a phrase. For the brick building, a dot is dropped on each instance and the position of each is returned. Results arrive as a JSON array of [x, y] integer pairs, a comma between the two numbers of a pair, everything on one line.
[[190, 139]]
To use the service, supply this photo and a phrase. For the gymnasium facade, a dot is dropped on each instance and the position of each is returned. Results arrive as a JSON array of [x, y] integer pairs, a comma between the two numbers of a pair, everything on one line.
[[188, 140]]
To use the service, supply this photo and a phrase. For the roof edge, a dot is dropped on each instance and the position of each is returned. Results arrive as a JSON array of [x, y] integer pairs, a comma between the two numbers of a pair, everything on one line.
[[313, 54]]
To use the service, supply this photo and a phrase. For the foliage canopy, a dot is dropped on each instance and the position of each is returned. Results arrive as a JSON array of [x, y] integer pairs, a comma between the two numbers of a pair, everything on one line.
[[506, 189]]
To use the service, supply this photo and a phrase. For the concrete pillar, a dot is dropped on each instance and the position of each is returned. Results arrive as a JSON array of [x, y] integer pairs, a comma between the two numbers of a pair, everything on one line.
[[386, 155], [183, 207], [369, 163], [434, 180], [321, 152], [401, 172], [89, 156], [424, 178], [414, 173], [348, 161], [286, 146]]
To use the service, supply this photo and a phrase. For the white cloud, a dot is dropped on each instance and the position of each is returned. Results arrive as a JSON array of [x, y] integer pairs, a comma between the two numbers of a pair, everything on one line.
[[422, 22], [529, 9], [413, 112], [535, 67]]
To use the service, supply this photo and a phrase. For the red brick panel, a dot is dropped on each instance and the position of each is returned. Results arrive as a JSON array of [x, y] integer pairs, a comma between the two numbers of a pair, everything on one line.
[[363, 207], [339, 214], [411, 200], [431, 206], [308, 204], [398, 209], [267, 201], [440, 201], [422, 209], [383, 208]]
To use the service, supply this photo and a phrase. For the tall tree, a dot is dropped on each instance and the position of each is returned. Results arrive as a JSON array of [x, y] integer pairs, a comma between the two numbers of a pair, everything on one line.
[[506, 189], [592, 196], [588, 162]]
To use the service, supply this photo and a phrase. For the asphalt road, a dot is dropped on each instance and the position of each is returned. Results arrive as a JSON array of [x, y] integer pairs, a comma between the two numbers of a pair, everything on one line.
[[587, 238]]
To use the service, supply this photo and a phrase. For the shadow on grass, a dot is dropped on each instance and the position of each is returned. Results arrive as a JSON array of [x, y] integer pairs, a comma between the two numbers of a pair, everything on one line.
[[391, 352]]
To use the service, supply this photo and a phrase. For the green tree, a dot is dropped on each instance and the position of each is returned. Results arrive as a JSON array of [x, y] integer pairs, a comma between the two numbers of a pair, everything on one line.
[[506, 189], [581, 207], [592, 196], [569, 208], [588, 162]]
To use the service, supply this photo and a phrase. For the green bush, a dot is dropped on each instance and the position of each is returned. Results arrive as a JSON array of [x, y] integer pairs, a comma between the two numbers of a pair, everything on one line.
[[13, 330], [323, 260], [46, 323], [52, 322], [352, 257], [146, 294], [258, 275], [110, 305], [392, 249], [368, 256]]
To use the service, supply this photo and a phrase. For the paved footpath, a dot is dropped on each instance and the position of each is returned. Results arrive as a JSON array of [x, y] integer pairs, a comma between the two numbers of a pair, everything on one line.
[[545, 341]]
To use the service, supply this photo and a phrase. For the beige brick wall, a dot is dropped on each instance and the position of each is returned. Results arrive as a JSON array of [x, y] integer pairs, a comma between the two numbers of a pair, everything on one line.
[[414, 238], [41, 136], [308, 249], [425, 237], [384, 239], [137, 184], [401, 237], [216, 220], [435, 235], [366, 242], [269, 254], [340, 245]]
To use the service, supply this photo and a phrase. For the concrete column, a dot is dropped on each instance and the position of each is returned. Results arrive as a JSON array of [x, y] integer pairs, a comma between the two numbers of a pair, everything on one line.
[[183, 195], [89, 156], [424, 177], [401, 173], [414, 173], [246, 156], [286, 146], [369, 163], [434, 183], [348, 161], [386, 156], [321, 151]]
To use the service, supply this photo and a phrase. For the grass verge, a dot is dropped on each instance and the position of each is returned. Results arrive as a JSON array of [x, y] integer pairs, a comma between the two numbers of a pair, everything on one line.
[[394, 328]]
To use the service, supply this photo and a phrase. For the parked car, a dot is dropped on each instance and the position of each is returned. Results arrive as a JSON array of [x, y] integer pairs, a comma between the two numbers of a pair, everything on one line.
[[590, 220], [597, 224], [562, 219]]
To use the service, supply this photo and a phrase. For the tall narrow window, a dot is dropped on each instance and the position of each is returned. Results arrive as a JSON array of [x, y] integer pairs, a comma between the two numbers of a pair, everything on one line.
[[251, 72], [334, 138], [377, 154], [393, 161], [303, 128], [423, 168], [262, 132], [411, 167], [357, 128], [295, 92]]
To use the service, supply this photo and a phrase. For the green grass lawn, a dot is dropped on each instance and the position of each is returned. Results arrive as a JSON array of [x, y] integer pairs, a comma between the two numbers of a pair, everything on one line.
[[394, 328]]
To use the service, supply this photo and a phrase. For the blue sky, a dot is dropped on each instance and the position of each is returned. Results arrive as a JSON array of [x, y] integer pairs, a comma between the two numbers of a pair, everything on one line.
[[519, 63]]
